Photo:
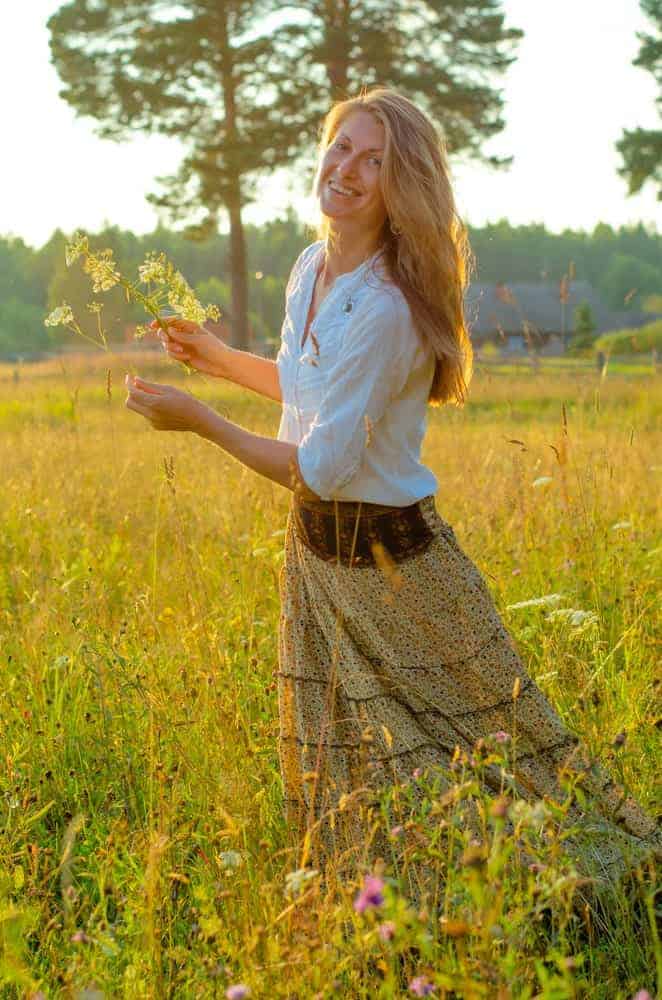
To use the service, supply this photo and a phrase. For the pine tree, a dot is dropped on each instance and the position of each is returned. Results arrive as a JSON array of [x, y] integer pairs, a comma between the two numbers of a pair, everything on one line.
[[641, 148], [439, 53], [246, 91], [201, 70]]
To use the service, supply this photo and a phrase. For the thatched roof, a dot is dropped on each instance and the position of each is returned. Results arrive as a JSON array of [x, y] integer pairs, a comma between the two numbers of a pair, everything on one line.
[[507, 305]]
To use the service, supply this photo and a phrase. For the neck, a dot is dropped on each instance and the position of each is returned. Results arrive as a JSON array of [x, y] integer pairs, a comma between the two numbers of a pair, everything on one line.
[[347, 248]]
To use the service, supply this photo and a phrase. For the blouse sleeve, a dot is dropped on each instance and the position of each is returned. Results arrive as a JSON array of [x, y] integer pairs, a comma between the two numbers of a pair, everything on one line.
[[376, 356]]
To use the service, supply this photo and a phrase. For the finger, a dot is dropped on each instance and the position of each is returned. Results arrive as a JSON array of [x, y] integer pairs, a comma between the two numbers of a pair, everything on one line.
[[169, 343], [181, 324], [146, 399], [185, 333], [151, 387], [132, 404]]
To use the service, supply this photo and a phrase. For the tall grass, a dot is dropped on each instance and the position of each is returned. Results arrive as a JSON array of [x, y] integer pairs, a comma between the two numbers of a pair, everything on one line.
[[144, 851]]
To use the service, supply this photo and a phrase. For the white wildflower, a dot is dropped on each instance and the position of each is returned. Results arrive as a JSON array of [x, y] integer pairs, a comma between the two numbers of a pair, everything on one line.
[[183, 301], [73, 250], [575, 617], [154, 269], [541, 480], [536, 602], [294, 881], [621, 525], [230, 859], [60, 316], [102, 269], [531, 814]]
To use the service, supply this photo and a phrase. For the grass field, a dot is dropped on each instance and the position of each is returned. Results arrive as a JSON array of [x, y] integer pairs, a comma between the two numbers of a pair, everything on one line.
[[144, 851]]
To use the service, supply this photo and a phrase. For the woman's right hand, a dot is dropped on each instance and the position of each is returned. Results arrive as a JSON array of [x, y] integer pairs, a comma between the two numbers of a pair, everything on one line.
[[187, 342]]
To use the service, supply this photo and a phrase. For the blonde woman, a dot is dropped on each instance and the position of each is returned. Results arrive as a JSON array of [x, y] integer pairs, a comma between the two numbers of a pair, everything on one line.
[[391, 651]]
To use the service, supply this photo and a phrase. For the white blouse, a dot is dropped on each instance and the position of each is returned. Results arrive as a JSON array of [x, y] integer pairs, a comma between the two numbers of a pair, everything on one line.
[[355, 396]]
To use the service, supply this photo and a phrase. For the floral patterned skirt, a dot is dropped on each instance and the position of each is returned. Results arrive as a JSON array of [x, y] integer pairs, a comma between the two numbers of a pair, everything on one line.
[[387, 669]]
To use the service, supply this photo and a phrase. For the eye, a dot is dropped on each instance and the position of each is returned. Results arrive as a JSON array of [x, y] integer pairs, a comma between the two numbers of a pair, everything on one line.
[[375, 159]]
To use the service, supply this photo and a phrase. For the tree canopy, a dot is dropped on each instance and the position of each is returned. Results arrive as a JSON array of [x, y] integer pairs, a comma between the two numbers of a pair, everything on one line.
[[245, 83], [641, 148]]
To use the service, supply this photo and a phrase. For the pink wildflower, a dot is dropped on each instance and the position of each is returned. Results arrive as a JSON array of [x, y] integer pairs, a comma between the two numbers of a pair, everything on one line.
[[79, 937], [642, 995], [237, 992], [421, 986], [372, 894], [386, 930], [417, 772], [397, 831], [502, 737]]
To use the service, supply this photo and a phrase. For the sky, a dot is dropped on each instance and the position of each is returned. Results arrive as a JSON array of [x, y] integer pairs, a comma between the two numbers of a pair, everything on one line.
[[568, 97]]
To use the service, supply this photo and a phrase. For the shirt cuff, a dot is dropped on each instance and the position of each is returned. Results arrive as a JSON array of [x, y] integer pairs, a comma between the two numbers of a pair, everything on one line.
[[318, 475]]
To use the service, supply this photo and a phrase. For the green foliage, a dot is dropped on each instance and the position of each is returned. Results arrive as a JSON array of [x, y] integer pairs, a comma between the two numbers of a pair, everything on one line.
[[209, 74], [22, 328], [627, 280], [584, 326], [216, 291], [427, 51], [246, 90], [521, 253], [138, 629], [640, 148], [16, 261], [644, 338]]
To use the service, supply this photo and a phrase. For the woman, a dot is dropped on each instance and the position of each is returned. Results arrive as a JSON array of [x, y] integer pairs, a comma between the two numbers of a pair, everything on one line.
[[391, 651]]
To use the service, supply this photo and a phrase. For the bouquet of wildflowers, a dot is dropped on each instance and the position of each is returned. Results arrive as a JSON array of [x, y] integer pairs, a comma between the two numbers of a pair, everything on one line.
[[163, 285]]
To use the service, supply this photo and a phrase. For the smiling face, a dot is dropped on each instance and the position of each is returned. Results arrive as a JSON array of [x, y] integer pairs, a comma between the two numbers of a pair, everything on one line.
[[348, 177]]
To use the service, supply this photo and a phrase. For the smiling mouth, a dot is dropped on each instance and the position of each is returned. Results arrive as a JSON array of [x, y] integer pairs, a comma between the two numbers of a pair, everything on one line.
[[345, 192]]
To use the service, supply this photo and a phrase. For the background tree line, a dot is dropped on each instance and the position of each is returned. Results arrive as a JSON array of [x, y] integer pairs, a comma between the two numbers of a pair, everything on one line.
[[33, 281], [244, 84]]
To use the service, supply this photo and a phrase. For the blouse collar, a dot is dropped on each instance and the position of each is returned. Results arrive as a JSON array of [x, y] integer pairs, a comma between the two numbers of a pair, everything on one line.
[[348, 276]]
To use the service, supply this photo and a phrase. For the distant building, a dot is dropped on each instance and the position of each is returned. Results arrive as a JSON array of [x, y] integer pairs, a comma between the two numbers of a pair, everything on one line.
[[525, 316]]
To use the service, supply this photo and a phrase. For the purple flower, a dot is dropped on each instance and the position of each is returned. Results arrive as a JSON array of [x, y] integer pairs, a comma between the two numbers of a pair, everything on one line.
[[371, 895], [386, 930], [501, 737], [237, 992], [421, 986]]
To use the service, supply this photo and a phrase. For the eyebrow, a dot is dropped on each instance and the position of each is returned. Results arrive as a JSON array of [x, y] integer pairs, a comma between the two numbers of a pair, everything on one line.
[[373, 149]]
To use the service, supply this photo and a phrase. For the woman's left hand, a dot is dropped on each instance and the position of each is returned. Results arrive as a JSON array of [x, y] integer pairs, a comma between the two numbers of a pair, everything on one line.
[[166, 408]]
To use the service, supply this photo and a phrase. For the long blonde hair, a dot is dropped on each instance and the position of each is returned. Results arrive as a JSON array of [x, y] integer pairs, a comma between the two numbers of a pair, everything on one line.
[[425, 243]]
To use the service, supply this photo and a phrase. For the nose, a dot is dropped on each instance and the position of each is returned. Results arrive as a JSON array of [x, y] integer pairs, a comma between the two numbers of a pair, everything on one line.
[[346, 166]]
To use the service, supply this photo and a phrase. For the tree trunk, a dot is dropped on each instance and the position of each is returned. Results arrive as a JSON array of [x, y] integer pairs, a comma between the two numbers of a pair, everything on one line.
[[238, 279], [337, 18], [240, 331]]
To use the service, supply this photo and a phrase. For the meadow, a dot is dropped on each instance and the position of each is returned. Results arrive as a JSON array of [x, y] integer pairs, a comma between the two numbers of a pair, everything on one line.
[[144, 851]]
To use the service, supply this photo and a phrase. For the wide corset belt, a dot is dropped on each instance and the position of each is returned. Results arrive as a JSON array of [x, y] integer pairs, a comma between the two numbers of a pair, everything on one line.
[[322, 525]]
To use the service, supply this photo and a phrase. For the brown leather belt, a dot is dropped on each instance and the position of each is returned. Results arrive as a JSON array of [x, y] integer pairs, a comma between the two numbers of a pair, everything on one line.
[[355, 526]]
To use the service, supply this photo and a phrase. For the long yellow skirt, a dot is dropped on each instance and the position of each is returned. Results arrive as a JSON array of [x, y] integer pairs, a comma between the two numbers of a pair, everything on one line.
[[385, 670]]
